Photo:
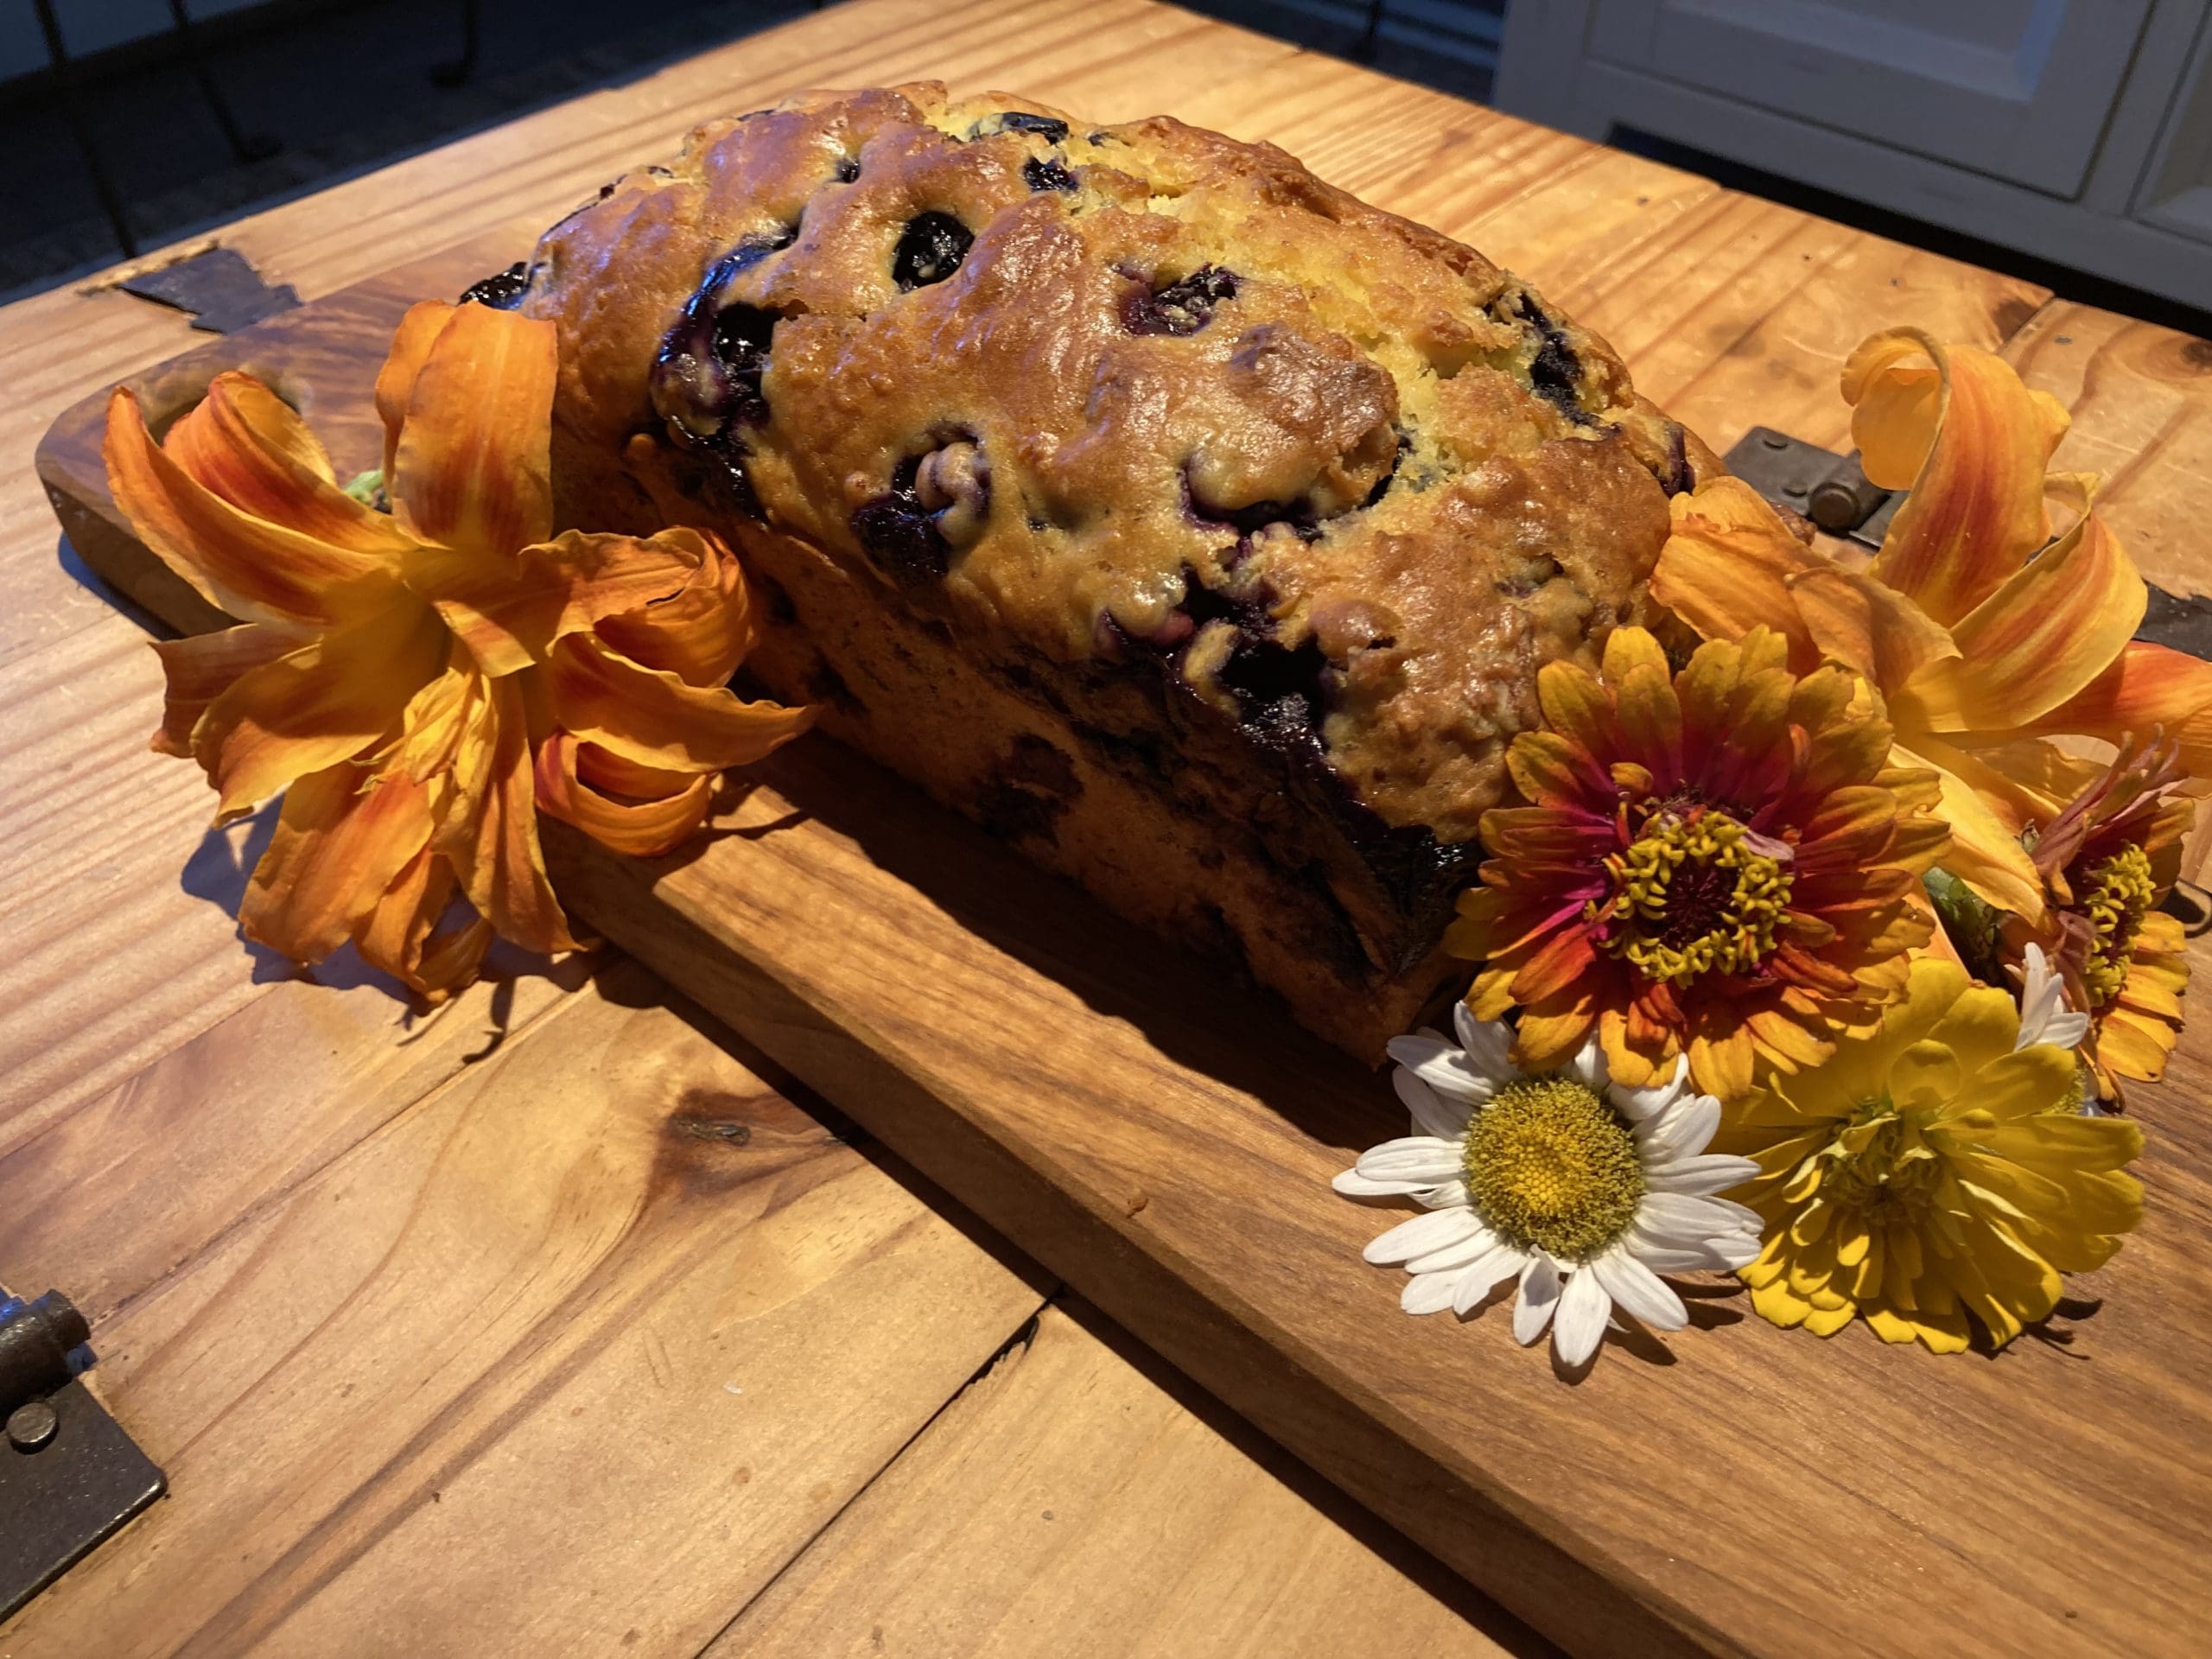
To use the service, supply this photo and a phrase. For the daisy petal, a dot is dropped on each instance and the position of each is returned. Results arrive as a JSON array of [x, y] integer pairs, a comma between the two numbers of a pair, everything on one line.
[[1584, 1309], [1636, 1104], [1469, 1250], [1422, 1235], [1430, 1293], [1701, 1177], [1588, 1066], [1424, 1159], [1488, 1043], [1680, 1217], [1640, 1291], [1668, 1258], [1485, 1274], [1540, 1289], [1432, 1113], [2065, 1030], [1681, 1130], [1353, 1185]]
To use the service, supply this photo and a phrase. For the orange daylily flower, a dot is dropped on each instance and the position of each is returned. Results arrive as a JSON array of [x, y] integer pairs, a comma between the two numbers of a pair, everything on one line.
[[1721, 863], [419, 685], [1983, 633]]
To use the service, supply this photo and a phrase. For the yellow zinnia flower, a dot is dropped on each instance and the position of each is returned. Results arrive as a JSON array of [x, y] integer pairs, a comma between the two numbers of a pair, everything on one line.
[[419, 685], [1933, 1169], [1982, 633]]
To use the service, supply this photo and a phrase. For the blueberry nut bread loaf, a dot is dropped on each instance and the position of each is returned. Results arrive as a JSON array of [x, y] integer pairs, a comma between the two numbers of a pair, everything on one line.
[[1185, 521]]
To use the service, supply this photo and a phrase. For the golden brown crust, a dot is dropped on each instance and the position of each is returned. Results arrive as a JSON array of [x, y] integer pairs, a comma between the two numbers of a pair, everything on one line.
[[1136, 400]]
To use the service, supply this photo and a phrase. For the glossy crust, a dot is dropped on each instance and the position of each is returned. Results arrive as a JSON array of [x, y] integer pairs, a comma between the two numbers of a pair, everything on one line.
[[1258, 507]]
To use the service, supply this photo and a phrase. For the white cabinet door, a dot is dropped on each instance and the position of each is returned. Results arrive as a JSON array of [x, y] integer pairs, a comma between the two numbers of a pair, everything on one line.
[[2019, 89], [2176, 194]]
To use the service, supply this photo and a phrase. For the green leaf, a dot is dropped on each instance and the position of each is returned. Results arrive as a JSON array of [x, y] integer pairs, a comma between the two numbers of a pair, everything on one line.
[[1971, 921]]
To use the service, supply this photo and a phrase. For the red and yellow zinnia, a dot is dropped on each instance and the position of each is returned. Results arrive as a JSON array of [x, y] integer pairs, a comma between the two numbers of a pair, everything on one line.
[[2107, 857], [419, 685], [1983, 634], [1721, 862]]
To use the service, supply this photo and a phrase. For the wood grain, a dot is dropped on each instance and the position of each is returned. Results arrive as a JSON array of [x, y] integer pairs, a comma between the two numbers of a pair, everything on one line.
[[1165, 1147], [1097, 1097], [2142, 403], [1066, 1505], [573, 1356], [1730, 310]]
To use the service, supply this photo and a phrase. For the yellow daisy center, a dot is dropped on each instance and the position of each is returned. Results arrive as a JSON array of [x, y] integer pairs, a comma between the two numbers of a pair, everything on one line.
[[2120, 894], [1695, 898], [1550, 1163]]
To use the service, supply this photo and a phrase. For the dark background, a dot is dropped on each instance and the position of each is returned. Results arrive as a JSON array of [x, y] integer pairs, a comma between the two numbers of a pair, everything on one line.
[[341, 86]]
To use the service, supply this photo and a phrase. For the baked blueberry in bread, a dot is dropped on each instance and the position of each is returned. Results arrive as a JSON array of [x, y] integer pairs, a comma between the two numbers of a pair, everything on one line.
[[1182, 519]]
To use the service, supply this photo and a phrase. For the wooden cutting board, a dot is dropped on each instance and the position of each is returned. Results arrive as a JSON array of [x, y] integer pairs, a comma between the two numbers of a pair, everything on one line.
[[1163, 1142]]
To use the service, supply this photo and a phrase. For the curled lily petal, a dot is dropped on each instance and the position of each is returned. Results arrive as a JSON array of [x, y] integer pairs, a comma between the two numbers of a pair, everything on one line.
[[200, 667], [1728, 566], [645, 828], [257, 570], [343, 836], [509, 612], [246, 444], [402, 937], [1985, 851], [472, 470], [410, 347], [650, 716], [314, 707], [2145, 688], [490, 830], [2036, 641], [699, 634], [1971, 442], [1873, 630], [611, 774]]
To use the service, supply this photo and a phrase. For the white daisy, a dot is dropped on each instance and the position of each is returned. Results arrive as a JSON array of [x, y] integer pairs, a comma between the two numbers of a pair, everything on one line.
[[2044, 1018], [1583, 1189]]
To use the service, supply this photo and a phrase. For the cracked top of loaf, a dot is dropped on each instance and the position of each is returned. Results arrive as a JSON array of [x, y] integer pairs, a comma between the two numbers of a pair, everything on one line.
[[1090, 391]]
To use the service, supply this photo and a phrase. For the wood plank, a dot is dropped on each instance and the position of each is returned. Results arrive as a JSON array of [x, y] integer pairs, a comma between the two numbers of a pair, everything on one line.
[[573, 1356], [1730, 310], [1068, 1504], [1672, 249], [2142, 401], [1164, 1147], [106, 1196]]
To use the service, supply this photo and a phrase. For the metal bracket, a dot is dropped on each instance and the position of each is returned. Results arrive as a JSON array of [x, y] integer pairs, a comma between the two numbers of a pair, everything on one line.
[[1834, 493], [69, 1476], [1829, 489], [218, 287]]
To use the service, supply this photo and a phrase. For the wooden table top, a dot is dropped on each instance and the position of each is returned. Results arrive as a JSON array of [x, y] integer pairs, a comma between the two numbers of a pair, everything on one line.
[[558, 1320]]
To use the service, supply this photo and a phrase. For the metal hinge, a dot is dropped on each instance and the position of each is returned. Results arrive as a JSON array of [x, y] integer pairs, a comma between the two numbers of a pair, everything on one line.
[[69, 1476], [1829, 489], [1835, 494]]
